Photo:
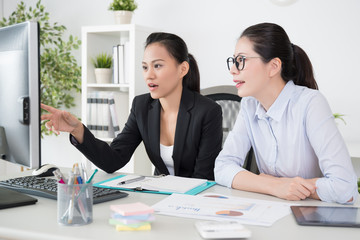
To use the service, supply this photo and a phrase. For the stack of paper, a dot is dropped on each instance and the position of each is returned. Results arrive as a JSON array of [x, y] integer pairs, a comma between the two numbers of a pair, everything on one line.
[[131, 217]]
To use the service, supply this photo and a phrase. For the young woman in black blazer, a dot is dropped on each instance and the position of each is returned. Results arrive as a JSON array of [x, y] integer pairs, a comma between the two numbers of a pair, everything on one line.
[[181, 130]]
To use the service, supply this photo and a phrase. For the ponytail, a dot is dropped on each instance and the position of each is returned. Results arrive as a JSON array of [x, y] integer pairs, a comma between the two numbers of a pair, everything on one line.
[[304, 75], [271, 41], [192, 78]]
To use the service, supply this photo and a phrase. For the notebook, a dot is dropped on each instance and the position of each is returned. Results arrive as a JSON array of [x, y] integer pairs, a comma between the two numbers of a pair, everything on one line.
[[10, 198]]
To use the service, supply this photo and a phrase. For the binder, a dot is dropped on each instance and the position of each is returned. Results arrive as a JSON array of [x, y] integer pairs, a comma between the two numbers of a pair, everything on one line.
[[89, 102], [127, 62], [92, 121], [104, 114], [113, 115], [99, 115], [120, 49], [111, 183], [115, 65]]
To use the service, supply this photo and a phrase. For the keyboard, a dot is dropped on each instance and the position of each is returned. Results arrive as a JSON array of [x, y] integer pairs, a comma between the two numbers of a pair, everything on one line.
[[47, 187]]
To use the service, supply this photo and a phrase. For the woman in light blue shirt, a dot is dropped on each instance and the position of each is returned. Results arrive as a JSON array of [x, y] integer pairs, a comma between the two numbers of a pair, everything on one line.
[[299, 151]]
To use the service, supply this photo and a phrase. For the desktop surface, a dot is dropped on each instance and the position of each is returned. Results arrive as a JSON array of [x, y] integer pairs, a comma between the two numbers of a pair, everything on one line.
[[39, 221]]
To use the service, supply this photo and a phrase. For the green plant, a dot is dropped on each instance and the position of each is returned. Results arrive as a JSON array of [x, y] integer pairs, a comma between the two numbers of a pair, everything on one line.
[[60, 74], [102, 60], [125, 5], [339, 116]]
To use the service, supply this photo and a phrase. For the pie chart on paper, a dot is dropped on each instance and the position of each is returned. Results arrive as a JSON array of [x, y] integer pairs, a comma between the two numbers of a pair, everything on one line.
[[229, 213], [216, 196]]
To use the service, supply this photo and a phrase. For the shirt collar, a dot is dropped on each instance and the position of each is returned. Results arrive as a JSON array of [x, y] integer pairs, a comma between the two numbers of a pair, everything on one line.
[[277, 109]]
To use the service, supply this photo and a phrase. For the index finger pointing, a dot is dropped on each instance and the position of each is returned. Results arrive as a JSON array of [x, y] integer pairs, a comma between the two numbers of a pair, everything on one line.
[[47, 108]]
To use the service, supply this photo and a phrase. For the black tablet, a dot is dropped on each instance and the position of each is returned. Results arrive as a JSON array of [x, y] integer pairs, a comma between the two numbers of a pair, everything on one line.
[[10, 198], [327, 216]]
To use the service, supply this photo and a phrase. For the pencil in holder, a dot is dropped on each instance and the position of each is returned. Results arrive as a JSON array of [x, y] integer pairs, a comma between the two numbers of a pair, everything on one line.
[[75, 204]]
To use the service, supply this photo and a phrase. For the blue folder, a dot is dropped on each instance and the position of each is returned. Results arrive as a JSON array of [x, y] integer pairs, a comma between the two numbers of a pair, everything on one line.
[[193, 191]]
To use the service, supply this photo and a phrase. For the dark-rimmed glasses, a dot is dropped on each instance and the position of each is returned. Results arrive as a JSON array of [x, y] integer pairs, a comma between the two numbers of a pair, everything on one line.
[[238, 60]]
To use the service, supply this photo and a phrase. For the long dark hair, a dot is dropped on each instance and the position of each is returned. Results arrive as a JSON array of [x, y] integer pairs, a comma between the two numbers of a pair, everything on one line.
[[178, 49], [271, 41]]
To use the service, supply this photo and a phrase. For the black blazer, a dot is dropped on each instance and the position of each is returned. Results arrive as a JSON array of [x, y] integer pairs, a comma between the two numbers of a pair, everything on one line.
[[198, 137]]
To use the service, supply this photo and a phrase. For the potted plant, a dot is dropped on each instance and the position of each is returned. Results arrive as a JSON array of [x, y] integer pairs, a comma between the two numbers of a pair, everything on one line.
[[339, 116], [60, 72], [123, 10], [103, 64]]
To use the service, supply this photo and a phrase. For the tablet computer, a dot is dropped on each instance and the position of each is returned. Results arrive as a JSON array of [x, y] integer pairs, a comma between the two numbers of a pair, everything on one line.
[[327, 216], [10, 198]]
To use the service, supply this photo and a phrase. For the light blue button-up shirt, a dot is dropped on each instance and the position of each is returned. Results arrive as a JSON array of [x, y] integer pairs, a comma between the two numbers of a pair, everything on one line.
[[297, 136]]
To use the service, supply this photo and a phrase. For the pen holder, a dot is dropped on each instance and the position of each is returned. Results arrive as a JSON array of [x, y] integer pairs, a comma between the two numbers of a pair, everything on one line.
[[75, 204]]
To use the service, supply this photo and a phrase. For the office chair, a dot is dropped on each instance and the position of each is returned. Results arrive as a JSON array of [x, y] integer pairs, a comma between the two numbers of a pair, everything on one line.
[[226, 96]]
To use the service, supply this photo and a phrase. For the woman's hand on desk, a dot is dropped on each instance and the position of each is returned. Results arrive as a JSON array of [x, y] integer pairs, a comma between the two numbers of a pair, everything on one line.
[[62, 121], [294, 189]]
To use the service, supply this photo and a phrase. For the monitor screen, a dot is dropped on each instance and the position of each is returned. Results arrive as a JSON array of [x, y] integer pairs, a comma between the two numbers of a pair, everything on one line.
[[20, 94]]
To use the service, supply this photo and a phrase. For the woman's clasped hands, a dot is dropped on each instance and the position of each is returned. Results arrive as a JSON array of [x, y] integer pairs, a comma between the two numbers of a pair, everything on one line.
[[294, 189]]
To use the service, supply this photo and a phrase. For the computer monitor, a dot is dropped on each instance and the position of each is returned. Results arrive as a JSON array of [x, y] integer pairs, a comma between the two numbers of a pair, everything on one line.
[[20, 94]]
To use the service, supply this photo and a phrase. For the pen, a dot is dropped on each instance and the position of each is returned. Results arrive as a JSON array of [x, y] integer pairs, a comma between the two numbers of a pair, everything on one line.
[[71, 211], [131, 180], [70, 181], [84, 177], [58, 176], [82, 210], [71, 204], [83, 172], [74, 166], [80, 181], [92, 176]]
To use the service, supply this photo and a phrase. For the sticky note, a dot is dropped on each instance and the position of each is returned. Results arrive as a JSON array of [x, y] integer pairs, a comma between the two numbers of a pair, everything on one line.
[[131, 209], [126, 228]]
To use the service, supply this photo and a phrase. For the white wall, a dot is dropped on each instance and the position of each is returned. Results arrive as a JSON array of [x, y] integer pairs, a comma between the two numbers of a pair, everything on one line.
[[328, 30], [1, 8]]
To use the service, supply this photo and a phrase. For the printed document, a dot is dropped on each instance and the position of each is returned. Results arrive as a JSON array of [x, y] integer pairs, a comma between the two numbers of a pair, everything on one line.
[[167, 183], [212, 206]]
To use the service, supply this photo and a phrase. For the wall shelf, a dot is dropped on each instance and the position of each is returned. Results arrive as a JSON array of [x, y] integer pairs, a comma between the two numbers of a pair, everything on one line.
[[101, 39]]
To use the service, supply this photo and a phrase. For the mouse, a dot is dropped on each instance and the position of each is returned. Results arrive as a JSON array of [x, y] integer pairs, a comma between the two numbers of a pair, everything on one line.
[[45, 170]]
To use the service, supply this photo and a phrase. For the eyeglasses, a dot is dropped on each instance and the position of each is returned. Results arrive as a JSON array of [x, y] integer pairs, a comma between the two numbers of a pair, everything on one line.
[[239, 62]]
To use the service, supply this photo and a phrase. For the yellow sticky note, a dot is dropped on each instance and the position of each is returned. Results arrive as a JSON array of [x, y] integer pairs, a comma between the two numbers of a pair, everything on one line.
[[126, 228]]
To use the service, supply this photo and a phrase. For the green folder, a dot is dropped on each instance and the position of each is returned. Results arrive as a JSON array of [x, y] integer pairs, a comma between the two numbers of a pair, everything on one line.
[[193, 191]]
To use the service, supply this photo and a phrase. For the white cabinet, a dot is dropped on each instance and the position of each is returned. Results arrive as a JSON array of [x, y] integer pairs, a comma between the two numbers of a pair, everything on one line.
[[100, 39]]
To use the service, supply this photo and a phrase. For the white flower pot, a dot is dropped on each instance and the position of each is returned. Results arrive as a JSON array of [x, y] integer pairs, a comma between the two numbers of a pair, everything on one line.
[[123, 17], [103, 75]]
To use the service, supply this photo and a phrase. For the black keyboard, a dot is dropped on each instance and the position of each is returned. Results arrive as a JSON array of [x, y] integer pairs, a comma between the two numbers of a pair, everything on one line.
[[47, 187]]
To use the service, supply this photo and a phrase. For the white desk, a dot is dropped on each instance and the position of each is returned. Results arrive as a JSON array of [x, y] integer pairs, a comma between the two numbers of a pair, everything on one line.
[[39, 222]]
